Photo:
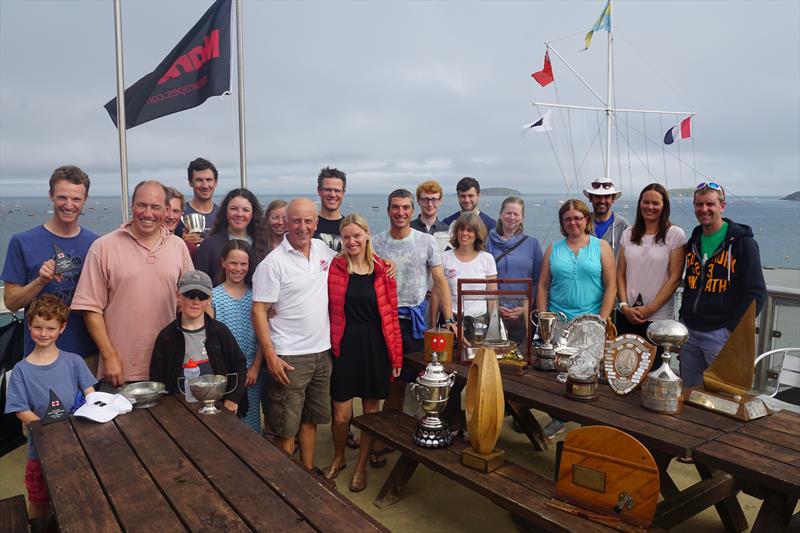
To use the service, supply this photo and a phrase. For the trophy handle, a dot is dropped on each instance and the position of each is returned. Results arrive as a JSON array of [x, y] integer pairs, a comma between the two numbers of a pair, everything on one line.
[[235, 383], [182, 389], [452, 378], [416, 392], [534, 316]]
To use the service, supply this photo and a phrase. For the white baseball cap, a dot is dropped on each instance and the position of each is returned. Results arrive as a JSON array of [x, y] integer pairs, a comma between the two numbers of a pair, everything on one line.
[[103, 407]]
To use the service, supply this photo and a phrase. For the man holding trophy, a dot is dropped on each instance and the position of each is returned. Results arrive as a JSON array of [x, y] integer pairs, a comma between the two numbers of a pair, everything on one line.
[[200, 212]]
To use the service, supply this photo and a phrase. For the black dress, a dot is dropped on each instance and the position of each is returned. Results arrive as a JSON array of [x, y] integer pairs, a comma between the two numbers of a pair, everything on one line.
[[362, 369]]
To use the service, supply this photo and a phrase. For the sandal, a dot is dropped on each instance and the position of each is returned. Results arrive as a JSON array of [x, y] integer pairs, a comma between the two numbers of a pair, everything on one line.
[[352, 443], [358, 482], [331, 472], [377, 459]]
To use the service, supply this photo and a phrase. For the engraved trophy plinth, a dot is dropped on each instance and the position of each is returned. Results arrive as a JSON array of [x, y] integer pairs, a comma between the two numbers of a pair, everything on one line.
[[432, 390], [662, 389], [194, 223], [546, 322]]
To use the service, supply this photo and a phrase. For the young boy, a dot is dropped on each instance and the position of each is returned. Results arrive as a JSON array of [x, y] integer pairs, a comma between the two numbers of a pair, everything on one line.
[[195, 335], [45, 369]]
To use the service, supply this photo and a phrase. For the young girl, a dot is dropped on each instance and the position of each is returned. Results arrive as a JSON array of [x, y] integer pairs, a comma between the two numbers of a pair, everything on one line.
[[232, 302]]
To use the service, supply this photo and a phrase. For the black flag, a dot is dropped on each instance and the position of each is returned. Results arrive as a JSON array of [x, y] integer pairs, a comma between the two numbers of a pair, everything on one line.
[[197, 68]]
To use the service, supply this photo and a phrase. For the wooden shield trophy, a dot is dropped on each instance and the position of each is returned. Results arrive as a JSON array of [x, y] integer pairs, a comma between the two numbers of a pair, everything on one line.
[[628, 359], [485, 408], [729, 377]]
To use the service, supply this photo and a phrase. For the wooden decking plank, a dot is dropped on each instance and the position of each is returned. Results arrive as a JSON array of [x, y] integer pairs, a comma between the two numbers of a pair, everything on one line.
[[323, 508], [191, 495], [252, 499], [68, 473], [504, 490], [136, 499]]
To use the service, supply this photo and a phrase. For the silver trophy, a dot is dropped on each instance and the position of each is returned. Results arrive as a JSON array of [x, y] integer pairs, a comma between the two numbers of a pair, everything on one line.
[[194, 223], [547, 323], [662, 390], [208, 389], [432, 390]]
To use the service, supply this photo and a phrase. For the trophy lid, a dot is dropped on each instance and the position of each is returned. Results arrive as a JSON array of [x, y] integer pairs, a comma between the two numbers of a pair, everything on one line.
[[434, 375]]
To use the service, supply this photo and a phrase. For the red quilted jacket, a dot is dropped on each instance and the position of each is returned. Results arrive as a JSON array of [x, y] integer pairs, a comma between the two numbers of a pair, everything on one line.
[[386, 293]]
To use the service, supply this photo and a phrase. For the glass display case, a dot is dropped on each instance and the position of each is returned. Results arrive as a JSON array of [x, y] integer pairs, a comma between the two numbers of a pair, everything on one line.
[[494, 313]]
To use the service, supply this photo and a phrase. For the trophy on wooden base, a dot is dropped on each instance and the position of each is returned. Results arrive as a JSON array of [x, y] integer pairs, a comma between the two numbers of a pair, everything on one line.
[[628, 359], [547, 323], [485, 409], [432, 390], [662, 391], [729, 377]]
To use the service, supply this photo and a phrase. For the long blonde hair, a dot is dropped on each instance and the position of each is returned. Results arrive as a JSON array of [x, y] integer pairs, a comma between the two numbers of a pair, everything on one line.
[[361, 222]]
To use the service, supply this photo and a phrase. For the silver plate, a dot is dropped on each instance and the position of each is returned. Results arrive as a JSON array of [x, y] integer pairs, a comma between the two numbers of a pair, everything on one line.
[[588, 334]]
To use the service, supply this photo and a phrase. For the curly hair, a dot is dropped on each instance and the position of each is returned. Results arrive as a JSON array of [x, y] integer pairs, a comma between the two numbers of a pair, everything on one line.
[[256, 229], [49, 307]]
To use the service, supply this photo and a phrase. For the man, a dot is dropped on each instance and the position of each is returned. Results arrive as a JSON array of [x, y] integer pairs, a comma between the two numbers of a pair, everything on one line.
[[127, 289], [293, 282], [469, 198], [203, 179], [331, 184], [723, 275], [429, 197], [607, 224], [415, 256], [30, 267]]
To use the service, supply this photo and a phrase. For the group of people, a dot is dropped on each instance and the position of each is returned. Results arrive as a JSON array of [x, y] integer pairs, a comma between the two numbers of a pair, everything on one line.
[[310, 309]]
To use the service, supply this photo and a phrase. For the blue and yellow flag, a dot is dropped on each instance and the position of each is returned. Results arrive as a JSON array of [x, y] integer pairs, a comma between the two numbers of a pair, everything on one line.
[[603, 23]]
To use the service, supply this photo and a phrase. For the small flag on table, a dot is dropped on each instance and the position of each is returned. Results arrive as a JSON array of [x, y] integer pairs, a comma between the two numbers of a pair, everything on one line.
[[681, 131], [540, 126], [544, 76]]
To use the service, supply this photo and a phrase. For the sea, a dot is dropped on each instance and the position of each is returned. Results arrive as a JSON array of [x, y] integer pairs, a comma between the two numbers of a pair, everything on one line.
[[775, 222]]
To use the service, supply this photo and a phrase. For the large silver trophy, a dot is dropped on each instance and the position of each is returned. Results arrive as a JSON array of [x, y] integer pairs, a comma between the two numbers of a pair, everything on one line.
[[208, 389], [547, 323], [194, 222], [432, 390], [662, 390]]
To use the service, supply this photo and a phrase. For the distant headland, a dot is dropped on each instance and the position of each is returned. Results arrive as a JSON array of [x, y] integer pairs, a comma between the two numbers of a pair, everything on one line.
[[499, 191], [795, 196]]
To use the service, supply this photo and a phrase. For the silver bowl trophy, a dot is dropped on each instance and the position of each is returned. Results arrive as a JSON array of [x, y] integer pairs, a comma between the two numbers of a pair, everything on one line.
[[546, 323], [662, 391], [143, 394], [432, 390], [208, 389], [194, 222]]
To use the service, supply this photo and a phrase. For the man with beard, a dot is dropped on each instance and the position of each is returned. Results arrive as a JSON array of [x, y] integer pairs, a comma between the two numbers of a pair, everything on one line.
[[331, 184], [607, 225], [30, 267], [127, 289]]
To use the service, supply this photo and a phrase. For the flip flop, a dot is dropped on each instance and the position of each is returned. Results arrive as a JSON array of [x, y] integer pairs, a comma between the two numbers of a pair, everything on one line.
[[377, 459]]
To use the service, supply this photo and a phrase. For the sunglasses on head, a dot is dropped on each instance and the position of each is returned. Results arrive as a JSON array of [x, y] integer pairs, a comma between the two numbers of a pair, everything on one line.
[[709, 185], [604, 185], [196, 295]]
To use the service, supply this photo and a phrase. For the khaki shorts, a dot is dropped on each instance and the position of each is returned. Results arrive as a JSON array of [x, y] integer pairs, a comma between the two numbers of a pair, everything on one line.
[[306, 399]]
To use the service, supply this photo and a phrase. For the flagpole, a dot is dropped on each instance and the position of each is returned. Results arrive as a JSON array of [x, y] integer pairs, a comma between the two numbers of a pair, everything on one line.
[[240, 75], [608, 95], [121, 122]]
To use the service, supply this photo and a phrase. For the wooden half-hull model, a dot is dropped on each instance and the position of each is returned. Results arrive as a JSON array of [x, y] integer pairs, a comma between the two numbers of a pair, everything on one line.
[[729, 377], [607, 471], [485, 410]]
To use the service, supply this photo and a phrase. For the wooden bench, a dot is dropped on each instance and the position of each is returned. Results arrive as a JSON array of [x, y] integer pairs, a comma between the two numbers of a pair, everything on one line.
[[13, 515], [512, 487]]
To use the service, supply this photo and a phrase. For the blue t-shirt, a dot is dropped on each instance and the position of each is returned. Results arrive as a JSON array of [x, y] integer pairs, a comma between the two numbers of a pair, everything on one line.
[[600, 228], [30, 385], [576, 282], [26, 253], [235, 313]]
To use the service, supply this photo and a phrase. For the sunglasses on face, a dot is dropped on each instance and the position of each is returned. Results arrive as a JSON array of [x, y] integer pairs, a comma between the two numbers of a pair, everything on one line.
[[601, 185], [196, 295]]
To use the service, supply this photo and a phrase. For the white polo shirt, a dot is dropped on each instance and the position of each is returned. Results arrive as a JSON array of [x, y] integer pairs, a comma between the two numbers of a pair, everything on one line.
[[298, 289]]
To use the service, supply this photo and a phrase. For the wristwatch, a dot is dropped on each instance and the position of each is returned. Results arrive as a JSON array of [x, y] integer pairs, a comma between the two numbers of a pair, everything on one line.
[[623, 304], [451, 320]]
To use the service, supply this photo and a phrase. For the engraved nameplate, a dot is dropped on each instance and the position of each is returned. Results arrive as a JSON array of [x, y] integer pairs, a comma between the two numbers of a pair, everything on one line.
[[627, 361], [755, 409], [714, 403], [589, 478]]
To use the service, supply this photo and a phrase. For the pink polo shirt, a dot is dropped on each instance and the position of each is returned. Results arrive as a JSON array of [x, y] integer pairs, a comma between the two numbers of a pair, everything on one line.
[[134, 288]]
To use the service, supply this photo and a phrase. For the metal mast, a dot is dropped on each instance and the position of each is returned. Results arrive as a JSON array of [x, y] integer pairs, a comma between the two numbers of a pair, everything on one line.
[[121, 121]]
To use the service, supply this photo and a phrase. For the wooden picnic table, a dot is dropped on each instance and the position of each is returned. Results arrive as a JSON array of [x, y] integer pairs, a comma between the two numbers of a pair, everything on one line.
[[666, 437], [764, 458], [169, 468]]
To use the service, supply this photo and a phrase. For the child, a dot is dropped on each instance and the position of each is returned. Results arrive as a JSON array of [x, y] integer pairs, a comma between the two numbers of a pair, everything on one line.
[[195, 335], [232, 302], [45, 369]]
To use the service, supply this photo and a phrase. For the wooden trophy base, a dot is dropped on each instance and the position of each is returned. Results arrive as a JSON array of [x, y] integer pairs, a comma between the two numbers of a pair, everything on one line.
[[743, 407], [513, 366], [484, 463]]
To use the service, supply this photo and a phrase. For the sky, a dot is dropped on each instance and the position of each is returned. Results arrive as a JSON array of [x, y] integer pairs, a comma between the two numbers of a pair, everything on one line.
[[394, 93]]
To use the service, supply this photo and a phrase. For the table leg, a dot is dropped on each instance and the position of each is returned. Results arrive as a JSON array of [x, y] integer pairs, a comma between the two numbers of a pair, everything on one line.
[[668, 487], [775, 513], [729, 510], [395, 484], [529, 424]]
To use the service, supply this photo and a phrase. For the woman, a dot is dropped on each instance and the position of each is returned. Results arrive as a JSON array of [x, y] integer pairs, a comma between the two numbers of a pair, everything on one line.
[[651, 257], [468, 260], [365, 339], [275, 217], [173, 214], [240, 217], [517, 256], [578, 274]]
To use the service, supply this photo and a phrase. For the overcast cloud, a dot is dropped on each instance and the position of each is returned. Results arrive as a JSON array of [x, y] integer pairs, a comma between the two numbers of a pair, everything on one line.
[[397, 92]]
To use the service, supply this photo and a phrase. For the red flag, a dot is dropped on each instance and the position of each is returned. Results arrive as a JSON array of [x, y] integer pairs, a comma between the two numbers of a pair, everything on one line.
[[545, 75]]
